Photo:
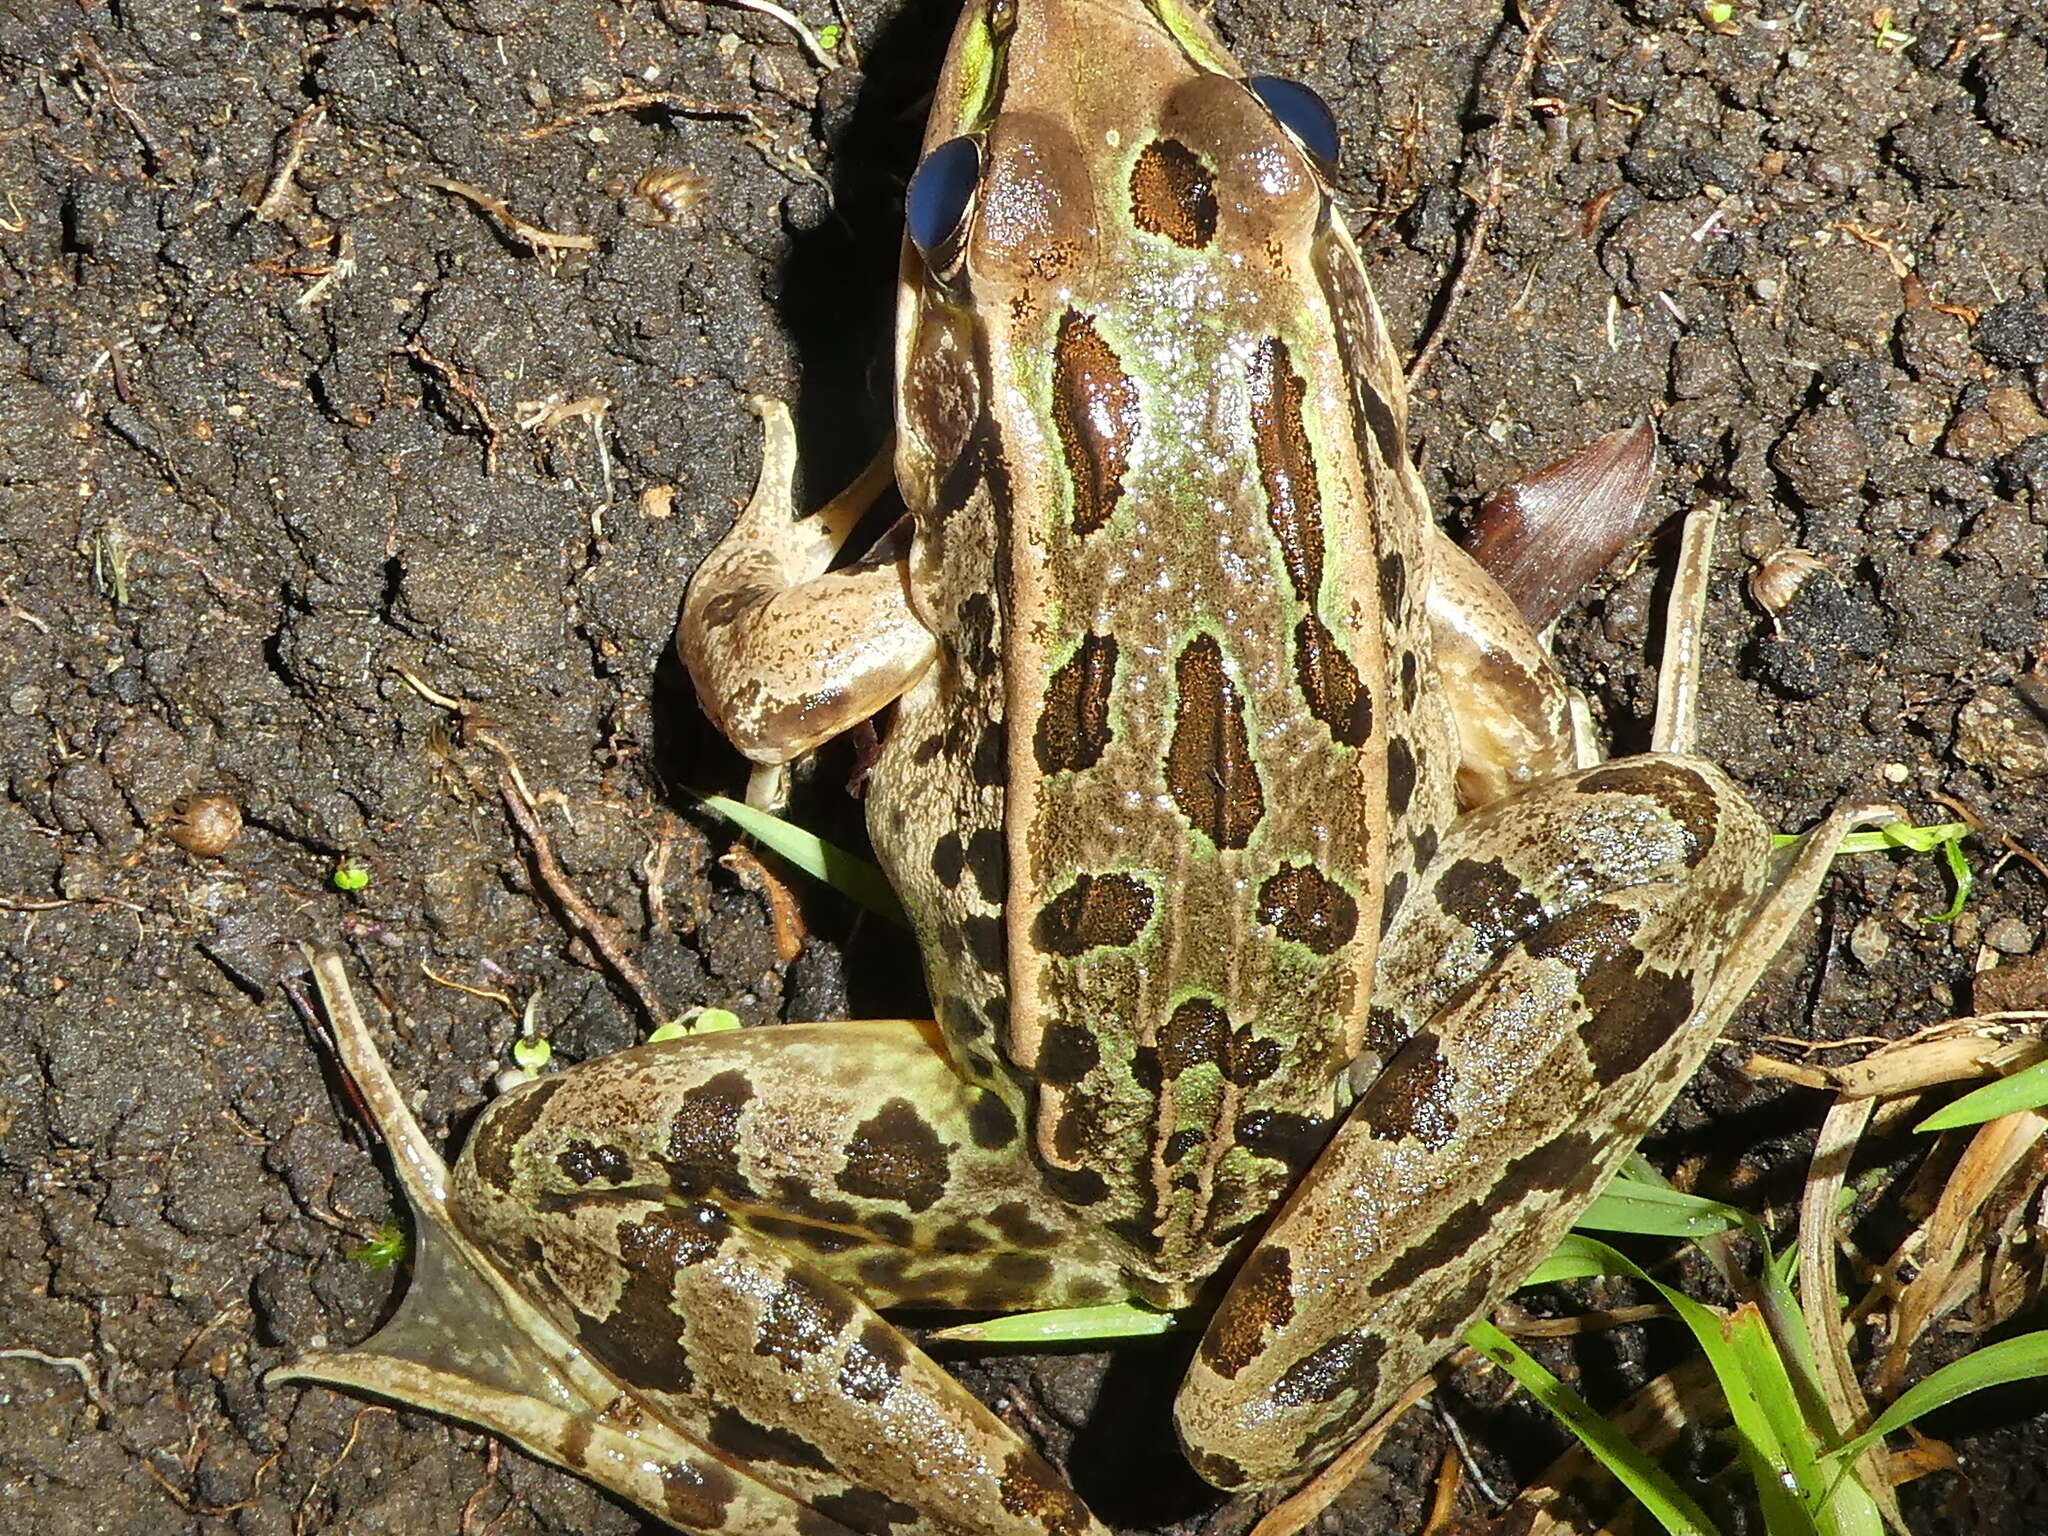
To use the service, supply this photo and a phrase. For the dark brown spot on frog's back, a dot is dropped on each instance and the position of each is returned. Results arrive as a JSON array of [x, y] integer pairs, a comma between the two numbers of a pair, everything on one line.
[[949, 860], [1348, 1363], [1411, 679], [1286, 1138], [753, 1444], [1209, 767], [1073, 728], [584, 1162], [1677, 789], [1095, 911], [494, 1145], [1214, 1468], [1259, 1301], [874, 1362], [1309, 908], [1390, 904], [988, 942], [1075, 1186], [989, 861], [991, 1123], [641, 1338], [1066, 1054], [803, 1318], [977, 633], [1173, 194], [1393, 583], [1197, 1034], [1634, 1009], [1411, 1096], [1489, 900], [1096, 413], [704, 1136], [1029, 1487], [991, 762], [1017, 1226], [1330, 684], [695, 1494], [858, 1509], [1287, 467], [1401, 771], [1553, 1168], [896, 1155]]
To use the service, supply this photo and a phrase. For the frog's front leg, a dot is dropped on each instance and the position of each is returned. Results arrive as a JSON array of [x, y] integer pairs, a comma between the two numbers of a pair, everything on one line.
[[659, 1270], [784, 652]]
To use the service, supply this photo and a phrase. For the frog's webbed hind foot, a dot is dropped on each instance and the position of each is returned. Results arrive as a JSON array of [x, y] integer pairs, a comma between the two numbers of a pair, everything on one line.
[[671, 1353], [784, 651]]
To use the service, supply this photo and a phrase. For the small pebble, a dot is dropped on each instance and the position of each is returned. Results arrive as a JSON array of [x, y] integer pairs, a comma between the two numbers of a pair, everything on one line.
[[2010, 936], [1869, 942], [1767, 289], [1896, 773]]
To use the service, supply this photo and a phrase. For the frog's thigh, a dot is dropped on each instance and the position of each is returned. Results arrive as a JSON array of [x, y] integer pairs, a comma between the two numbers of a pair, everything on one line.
[[694, 1214], [1548, 974], [786, 654]]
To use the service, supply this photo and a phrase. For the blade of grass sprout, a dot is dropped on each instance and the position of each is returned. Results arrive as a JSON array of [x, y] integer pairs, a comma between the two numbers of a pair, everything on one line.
[[1789, 1485], [1656, 1210], [2024, 1089], [1664, 1499], [847, 873], [2020, 1359], [1065, 1325]]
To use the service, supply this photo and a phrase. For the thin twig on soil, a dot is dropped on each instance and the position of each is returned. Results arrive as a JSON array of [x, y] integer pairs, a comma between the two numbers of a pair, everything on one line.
[[465, 391], [603, 933], [297, 136], [634, 101], [119, 92], [542, 240], [1489, 204]]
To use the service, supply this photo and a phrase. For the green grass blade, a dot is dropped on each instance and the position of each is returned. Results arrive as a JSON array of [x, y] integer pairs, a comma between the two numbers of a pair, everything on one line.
[[1663, 1498], [1994, 1365], [2024, 1089], [847, 873], [1656, 1210], [1065, 1325]]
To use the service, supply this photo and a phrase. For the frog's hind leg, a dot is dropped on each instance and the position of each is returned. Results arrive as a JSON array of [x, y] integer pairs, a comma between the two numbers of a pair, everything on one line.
[[785, 652], [678, 1305], [1557, 974]]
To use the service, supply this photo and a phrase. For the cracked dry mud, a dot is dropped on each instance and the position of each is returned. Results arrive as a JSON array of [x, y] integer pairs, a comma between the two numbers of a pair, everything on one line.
[[284, 418]]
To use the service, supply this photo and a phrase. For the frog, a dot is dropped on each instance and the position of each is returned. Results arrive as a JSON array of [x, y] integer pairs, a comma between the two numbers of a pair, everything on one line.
[[1292, 951]]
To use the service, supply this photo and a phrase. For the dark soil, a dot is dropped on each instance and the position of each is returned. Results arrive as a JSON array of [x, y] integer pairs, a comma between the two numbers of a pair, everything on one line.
[[269, 445]]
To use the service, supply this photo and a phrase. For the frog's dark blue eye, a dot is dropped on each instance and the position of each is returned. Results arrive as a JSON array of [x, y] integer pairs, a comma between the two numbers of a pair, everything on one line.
[[1301, 112], [939, 192]]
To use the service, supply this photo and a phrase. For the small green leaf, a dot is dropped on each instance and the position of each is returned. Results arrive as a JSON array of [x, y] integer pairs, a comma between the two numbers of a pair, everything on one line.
[[829, 35], [1664, 1499], [383, 1250], [1657, 1210], [2020, 1359], [531, 1054], [696, 1021], [847, 873], [2024, 1089], [1065, 1325], [350, 873]]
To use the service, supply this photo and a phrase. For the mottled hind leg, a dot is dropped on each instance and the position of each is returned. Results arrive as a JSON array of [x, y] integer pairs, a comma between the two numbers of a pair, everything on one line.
[[659, 1270], [784, 652]]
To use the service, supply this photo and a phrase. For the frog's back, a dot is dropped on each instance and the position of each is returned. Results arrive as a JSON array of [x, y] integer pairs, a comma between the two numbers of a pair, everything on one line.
[[1179, 744]]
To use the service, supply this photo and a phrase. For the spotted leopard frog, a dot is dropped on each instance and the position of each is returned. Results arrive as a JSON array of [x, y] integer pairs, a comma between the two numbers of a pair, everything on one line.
[[1273, 926]]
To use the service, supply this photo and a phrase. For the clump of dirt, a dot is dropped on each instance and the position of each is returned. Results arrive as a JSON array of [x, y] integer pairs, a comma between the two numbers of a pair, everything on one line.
[[364, 360]]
